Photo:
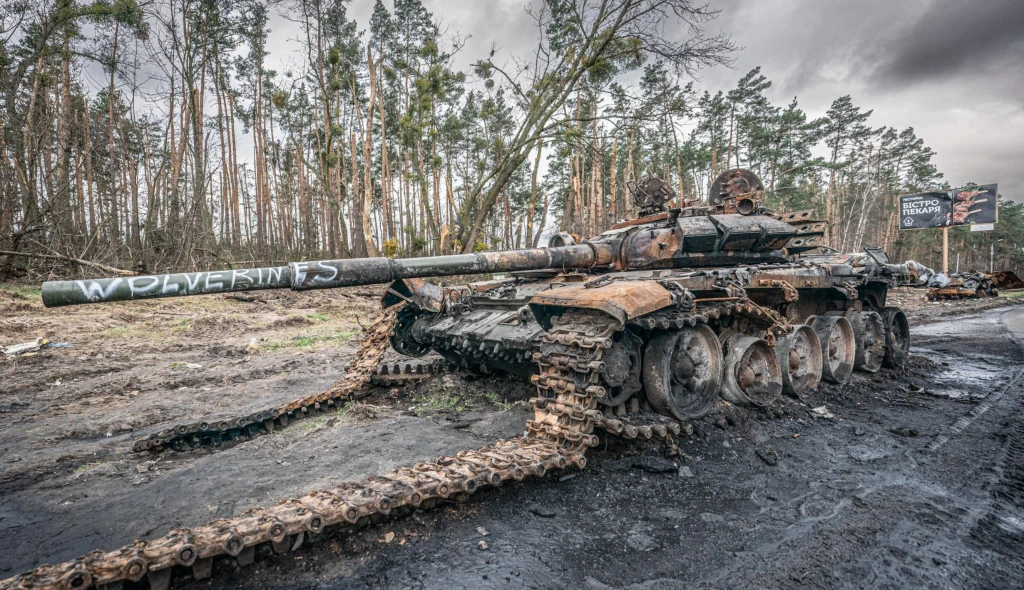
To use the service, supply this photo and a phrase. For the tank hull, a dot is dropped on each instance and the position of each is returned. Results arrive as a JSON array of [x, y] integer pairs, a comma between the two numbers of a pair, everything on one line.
[[499, 326]]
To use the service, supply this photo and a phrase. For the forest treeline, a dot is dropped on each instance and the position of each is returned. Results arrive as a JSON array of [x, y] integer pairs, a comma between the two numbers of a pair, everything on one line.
[[192, 152]]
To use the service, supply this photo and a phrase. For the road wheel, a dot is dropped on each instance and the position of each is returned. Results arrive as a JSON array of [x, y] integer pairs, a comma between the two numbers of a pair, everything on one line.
[[799, 356], [682, 372], [869, 333], [752, 373], [897, 337], [837, 347]]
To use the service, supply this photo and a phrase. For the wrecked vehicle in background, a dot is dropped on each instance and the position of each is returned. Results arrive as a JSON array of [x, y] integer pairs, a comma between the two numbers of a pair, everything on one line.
[[963, 285]]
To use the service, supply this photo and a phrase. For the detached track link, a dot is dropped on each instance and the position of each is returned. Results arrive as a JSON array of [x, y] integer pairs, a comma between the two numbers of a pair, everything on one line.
[[564, 417], [348, 388], [660, 427], [399, 374]]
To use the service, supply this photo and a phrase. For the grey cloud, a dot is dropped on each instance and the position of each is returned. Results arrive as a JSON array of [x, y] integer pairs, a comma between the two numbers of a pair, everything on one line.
[[949, 68], [954, 38]]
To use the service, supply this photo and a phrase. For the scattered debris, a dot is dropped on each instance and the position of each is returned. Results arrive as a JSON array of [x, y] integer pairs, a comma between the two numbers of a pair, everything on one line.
[[822, 412], [365, 411], [904, 431], [193, 366], [768, 456], [648, 463], [31, 348], [483, 532], [482, 545], [859, 431], [26, 347], [915, 387], [464, 423], [655, 464], [388, 537], [146, 466], [685, 471], [542, 510]]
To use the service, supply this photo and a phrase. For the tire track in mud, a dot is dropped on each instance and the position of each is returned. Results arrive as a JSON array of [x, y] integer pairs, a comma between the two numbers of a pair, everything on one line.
[[963, 422], [1001, 529]]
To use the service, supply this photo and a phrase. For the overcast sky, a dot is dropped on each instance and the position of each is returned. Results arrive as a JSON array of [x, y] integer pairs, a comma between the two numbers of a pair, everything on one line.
[[951, 69]]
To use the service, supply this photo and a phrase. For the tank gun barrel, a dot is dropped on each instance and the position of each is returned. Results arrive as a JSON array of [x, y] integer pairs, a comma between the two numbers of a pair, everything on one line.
[[323, 274]]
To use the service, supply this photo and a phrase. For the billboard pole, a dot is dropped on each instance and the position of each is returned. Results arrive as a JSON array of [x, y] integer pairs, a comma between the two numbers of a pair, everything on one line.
[[945, 249]]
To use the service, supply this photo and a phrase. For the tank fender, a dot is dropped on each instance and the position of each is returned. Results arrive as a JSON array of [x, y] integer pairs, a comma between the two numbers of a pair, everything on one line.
[[424, 295], [623, 300]]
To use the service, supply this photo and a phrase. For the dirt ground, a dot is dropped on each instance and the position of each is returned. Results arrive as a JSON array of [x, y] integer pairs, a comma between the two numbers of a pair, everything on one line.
[[916, 481]]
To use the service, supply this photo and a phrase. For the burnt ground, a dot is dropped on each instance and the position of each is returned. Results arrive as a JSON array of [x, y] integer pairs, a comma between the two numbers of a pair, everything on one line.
[[917, 480]]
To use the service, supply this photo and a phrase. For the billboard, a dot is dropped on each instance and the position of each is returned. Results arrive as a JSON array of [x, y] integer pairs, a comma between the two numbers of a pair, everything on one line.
[[962, 206], [925, 209]]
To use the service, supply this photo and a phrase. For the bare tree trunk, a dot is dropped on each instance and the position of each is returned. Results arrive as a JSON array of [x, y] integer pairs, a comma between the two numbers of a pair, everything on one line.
[[728, 155], [629, 168], [111, 175], [531, 211], [613, 210], [367, 198]]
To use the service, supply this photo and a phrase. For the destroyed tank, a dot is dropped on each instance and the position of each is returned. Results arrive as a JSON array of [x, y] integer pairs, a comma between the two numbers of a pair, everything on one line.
[[662, 314], [635, 332]]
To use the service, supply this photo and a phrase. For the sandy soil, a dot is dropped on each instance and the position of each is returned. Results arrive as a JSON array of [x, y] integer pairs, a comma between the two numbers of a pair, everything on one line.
[[776, 499]]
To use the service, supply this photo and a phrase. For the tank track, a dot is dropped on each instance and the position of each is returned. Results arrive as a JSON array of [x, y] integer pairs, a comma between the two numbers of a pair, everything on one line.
[[569, 382], [765, 319], [223, 431], [213, 431], [558, 436]]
